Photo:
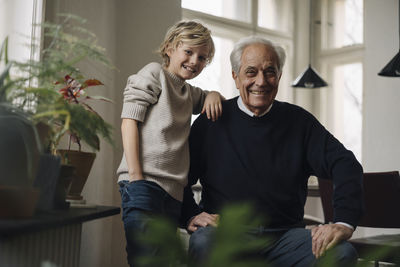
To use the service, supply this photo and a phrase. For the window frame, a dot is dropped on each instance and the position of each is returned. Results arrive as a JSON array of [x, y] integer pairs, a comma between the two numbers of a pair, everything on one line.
[[327, 59], [235, 29]]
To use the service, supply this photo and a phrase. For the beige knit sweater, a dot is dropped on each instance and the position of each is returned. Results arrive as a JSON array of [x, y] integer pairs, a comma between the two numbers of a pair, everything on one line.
[[163, 103]]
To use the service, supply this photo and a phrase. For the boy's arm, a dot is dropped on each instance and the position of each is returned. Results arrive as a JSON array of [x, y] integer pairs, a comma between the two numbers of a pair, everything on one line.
[[197, 169], [141, 91], [206, 102], [130, 140], [213, 106]]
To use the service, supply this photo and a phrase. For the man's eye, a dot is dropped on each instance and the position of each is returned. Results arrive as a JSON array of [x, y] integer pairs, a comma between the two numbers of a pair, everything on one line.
[[250, 73], [270, 73]]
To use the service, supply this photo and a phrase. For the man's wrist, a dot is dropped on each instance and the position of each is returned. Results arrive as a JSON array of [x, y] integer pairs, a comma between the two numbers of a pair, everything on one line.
[[346, 224]]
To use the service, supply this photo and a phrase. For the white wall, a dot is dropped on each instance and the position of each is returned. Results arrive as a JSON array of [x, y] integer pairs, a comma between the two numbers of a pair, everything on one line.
[[381, 125], [130, 30]]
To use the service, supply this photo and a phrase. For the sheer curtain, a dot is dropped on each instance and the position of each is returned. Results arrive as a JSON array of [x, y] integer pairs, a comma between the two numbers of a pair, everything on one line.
[[17, 18]]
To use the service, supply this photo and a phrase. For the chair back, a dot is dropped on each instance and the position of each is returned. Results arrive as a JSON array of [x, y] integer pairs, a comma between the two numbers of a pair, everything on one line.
[[381, 196]]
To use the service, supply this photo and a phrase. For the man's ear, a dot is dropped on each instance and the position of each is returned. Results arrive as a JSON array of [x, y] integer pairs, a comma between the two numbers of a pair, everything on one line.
[[235, 78]]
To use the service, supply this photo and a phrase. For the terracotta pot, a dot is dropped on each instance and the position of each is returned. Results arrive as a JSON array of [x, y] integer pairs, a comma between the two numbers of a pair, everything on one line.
[[82, 161], [17, 202]]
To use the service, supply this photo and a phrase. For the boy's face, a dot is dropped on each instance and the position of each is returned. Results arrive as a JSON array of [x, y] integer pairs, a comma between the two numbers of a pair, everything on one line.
[[187, 61]]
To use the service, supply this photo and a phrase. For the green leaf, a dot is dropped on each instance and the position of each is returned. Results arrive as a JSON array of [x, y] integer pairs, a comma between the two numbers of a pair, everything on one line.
[[4, 50]]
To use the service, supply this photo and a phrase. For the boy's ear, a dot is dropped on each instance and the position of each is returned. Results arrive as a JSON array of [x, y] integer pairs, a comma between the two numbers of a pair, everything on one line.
[[169, 50]]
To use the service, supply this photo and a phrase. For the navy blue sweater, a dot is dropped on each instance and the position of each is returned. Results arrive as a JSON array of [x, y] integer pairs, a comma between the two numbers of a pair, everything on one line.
[[267, 161]]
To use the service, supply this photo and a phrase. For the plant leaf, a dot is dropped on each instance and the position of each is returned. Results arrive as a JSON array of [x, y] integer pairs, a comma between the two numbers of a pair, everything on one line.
[[91, 82]]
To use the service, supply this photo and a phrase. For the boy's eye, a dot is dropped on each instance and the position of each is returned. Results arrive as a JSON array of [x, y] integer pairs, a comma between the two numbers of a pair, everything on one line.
[[202, 58], [188, 52]]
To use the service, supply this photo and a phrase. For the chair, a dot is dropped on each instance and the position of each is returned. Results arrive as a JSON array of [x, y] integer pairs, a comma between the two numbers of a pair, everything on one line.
[[382, 200]]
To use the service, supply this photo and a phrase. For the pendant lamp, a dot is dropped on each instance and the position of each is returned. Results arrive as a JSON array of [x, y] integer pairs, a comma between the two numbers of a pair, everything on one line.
[[392, 69], [309, 78]]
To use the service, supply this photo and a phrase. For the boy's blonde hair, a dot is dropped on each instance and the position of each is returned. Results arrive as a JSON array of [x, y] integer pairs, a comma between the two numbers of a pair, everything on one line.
[[189, 32]]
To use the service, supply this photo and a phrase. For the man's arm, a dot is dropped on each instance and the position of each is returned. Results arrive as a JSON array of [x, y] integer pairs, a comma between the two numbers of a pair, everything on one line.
[[328, 158]]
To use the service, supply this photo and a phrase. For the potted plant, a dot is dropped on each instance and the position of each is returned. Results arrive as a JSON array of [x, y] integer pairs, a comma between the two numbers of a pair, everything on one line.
[[19, 152], [54, 91]]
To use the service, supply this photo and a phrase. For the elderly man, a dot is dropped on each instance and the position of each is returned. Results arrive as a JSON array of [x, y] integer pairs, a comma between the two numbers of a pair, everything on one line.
[[263, 151]]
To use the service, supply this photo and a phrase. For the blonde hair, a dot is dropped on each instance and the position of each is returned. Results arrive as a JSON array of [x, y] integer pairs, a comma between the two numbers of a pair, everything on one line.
[[189, 32]]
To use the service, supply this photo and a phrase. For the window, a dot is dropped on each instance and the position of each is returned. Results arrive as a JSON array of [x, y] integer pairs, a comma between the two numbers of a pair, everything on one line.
[[344, 23], [341, 59], [347, 88], [231, 9], [230, 20], [16, 20], [274, 14]]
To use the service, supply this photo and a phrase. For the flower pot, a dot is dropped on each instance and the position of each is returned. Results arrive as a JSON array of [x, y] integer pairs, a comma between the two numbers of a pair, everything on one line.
[[65, 178], [19, 150], [82, 161], [47, 179], [17, 202]]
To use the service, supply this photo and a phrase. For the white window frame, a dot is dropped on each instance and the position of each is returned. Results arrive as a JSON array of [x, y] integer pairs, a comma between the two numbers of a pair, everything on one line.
[[329, 58], [234, 30]]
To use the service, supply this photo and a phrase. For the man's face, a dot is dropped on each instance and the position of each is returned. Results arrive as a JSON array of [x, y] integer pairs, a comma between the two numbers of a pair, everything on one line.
[[258, 77]]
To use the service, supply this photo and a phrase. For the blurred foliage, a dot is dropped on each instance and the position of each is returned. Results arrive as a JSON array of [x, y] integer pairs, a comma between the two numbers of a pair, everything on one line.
[[19, 139], [231, 244]]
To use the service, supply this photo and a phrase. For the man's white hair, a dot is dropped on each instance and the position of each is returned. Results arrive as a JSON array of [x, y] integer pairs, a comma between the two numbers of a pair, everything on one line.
[[237, 51]]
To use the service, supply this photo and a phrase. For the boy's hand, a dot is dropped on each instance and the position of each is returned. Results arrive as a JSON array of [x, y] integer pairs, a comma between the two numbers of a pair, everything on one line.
[[212, 105]]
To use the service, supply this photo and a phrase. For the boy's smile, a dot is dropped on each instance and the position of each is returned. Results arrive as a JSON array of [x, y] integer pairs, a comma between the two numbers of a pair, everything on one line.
[[186, 61]]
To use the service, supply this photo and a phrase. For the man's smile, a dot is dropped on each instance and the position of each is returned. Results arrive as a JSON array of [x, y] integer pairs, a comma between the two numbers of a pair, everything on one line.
[[258, 92]]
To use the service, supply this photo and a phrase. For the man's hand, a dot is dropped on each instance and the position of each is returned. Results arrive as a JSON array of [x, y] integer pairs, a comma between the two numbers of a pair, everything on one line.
[[326, 236], [202, 220]]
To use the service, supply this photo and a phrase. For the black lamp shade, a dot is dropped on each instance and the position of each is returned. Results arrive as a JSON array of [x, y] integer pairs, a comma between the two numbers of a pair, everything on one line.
[[309, 79], [392, 69]]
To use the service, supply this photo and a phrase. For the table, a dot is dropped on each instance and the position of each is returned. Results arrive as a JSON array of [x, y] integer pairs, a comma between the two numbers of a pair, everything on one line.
[[53, 236]]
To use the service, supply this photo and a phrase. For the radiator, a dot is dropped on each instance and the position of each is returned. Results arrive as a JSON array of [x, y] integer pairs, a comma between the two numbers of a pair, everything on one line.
[[58, 247]]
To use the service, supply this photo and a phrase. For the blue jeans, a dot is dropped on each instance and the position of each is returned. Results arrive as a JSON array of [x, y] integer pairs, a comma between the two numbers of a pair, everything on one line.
[[141, 200], [291, 247]]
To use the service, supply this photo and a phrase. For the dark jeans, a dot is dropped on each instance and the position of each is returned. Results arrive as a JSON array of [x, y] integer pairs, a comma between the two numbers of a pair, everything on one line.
[[291, 248], [141, 200]]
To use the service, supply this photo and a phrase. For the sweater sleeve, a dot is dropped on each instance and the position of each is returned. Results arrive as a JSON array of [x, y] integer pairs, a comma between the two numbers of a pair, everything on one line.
[[196, 171], [142, 90], [198, 97], [329, 159]]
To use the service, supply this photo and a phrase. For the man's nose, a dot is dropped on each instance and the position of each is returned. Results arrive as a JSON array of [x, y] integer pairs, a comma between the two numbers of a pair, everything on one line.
[[261, 79]]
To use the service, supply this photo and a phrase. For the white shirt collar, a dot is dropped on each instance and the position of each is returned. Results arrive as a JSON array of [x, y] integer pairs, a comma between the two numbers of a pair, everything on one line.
[[243, 108]]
